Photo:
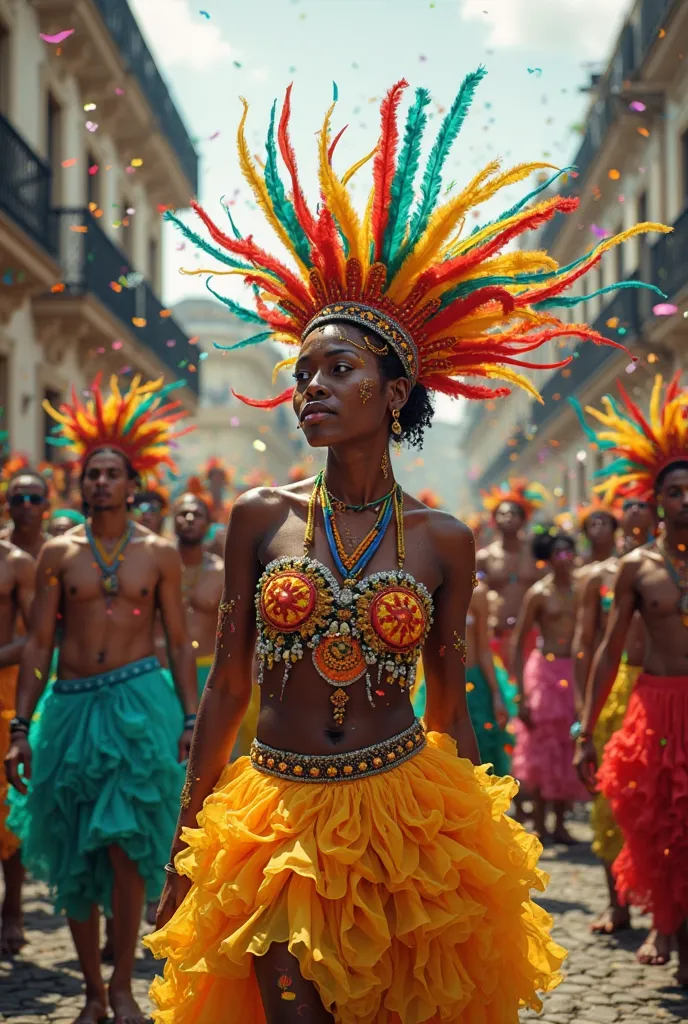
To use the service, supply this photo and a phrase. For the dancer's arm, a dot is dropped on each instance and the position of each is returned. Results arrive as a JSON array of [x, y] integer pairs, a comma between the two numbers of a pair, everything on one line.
[[444, 654], [24, 569], [179, 650], [228, 689], [605, 666], [36, 655], [526, 622], [480, 611], [587, 623]]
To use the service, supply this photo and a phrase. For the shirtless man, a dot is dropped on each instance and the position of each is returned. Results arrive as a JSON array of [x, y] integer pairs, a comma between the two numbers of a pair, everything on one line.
[[599, 528], [16, 595], [643, 771], [202, 580], [97, 827], [637, 524], [150, 508], [27, 498], [548, 700]]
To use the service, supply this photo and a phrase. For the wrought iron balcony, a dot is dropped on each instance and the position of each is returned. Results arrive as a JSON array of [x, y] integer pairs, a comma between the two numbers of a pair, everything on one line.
[[652, 15], [669, 258], [25, 187], [126, 34], [92, 264]]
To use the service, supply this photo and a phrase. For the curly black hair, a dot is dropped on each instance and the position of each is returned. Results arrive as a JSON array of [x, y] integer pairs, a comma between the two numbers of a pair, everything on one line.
[[416, 416], [663, 473]]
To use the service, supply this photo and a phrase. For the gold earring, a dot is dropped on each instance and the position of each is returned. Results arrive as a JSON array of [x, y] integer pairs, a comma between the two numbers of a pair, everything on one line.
[[365, 389], [384, 465], [396, 425]]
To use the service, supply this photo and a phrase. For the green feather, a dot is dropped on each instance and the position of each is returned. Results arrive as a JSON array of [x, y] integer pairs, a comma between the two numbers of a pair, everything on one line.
[[205, 246], [432, 179], [255, 339], [404, 176], [283, 207], [237, 234], [249, 316]]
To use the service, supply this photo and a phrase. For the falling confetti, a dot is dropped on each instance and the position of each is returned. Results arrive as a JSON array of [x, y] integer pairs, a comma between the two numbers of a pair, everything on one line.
[[644, 132], [205, 14], [139, 321], [664, 309], [637, 106], [212, 137], [93, 169], [614, 174], [535, 71], [91, 126], [117, 344], [58, 38], [599, 232], [69, 163], [335, 92]]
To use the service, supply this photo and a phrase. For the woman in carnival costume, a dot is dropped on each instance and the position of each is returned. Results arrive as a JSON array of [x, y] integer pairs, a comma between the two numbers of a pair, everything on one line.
[[354, 868], [643, 770]]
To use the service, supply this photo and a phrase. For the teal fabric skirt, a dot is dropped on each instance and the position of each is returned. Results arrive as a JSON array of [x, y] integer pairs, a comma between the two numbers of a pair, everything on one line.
[[495, 744], [104, 773]]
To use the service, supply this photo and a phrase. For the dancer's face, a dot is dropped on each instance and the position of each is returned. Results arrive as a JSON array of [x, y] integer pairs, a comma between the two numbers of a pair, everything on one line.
[[600, 527], [149, 510], [106, 483], [673, 496], [190, 520], [28, 502], [509, 518], [59, 525], [563, 556], [332, 402], [637, 521]]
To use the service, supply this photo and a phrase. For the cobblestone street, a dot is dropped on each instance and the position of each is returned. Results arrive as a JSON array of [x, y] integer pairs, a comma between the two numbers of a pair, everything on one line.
[[603, 984]]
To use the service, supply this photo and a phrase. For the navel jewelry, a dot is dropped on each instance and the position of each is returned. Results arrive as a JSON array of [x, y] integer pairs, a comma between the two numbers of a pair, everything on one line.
[[384, 465], [339, 699], [460, 646], [396, 425], [365, 389], [109, 561]]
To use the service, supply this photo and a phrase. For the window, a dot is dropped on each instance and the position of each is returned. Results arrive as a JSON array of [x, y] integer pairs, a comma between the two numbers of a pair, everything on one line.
[[55, 398], [53, 147], [126, 230], [4, 70], [92, 181]]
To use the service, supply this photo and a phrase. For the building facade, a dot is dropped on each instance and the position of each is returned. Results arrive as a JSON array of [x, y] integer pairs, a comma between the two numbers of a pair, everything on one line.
[[632, 166], [92, 151], [259, 444]]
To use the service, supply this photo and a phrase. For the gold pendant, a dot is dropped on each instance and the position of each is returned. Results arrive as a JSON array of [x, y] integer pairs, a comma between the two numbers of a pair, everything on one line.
[[339, 699]]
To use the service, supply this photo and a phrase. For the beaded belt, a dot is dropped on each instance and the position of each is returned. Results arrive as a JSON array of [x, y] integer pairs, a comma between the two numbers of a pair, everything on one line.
[[356, 764], [88, 684]]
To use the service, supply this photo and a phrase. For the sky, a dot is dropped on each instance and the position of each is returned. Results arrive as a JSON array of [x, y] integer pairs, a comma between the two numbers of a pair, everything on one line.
[[538, 54]]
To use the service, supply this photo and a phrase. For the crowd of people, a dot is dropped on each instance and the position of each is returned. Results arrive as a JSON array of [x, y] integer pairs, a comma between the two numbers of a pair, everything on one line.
[[304, 751]]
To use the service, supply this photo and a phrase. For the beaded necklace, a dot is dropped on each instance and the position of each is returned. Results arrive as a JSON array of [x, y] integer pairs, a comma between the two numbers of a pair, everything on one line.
[[352, 565], [109, 561]]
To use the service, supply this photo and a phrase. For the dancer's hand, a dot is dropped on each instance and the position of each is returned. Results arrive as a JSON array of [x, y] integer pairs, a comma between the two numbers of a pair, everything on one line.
[[19, 755], [185, 744], [176, 888], [585, 763]]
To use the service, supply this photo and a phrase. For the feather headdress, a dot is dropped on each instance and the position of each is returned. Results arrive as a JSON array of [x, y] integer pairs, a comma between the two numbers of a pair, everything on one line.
[[215, 464], [140, 423], [642, 446], [451, 307], [597, 504], [528, 496]]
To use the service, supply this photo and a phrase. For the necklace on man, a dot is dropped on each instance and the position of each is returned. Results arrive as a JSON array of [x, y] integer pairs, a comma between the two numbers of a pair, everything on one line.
[[109, 561], [679, 578], [190, 577]]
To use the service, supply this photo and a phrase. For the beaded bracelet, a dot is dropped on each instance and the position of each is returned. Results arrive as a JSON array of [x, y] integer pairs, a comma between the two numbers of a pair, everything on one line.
[[19, 724], [189, 721], [170, 869]]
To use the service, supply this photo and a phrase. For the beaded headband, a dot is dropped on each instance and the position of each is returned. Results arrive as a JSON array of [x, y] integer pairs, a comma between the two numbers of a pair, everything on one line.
[[384, 326]]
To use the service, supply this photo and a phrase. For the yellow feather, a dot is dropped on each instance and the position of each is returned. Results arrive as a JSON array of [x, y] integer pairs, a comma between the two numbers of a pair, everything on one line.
[[281, 366], [348, 175], [655, 405], [505, 373], [260, 191], [337, 200], [494, 229]]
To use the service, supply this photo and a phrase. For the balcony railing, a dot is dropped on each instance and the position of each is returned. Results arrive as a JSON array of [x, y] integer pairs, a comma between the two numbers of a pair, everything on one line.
[[125, 32], [25, 187], [91, 263], [669, 258], [652, 15]]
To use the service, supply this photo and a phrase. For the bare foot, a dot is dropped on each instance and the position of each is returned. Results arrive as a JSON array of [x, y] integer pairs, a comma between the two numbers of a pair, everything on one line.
[[94, 1011], [612, 919], [125, 1007], [562, 835], [655, 950], [12, 937]]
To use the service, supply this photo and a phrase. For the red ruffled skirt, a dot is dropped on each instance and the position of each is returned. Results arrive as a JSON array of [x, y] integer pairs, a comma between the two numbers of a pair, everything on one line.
[[644, 775]]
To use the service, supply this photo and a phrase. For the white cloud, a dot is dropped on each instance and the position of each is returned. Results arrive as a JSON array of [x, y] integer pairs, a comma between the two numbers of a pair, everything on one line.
[[180, 35], [586, 27]]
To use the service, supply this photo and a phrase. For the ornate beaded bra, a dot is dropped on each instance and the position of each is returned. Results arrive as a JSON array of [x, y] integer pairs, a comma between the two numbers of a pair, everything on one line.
[[381, 620]]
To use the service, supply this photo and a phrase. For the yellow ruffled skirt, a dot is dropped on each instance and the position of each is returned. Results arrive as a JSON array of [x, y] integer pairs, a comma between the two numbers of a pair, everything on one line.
[[405, 897], [607, 836]]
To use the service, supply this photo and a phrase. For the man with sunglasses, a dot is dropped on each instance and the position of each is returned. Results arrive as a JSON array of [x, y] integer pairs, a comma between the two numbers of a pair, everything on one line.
[[27, 498], [150, 508]]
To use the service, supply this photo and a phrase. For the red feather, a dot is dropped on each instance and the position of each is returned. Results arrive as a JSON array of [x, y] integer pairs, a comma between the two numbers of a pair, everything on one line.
[[333, 144], [636, 413], [461, 308], [530, 298], [329, 247], [384, 164], [266, 403], [456, 388], [286, 149], [275, 319]]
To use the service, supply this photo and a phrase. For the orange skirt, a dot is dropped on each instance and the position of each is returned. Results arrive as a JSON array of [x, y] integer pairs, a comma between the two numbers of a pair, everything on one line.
[[9, 843], [644, 775], [405, 897]]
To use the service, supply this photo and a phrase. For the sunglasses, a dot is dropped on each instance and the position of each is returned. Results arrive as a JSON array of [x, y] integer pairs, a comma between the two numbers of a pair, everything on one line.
[[17, 500]]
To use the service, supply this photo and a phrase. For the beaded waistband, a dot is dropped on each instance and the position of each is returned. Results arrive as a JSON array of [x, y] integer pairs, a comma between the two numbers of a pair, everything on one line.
[[356, 764], [123, 674]]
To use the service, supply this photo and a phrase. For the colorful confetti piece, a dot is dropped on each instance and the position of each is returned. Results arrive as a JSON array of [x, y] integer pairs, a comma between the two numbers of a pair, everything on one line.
[[59, 37]]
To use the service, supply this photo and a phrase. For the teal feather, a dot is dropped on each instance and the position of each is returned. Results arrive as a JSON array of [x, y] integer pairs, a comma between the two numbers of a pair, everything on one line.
[[283, 207], [401, 196], [587, 429], [523, 202], [201, 243], [432, 179], [249, 316], [237, 234], [255, 339], [619, 467], [575, 300], [59, 442], [335, 92]]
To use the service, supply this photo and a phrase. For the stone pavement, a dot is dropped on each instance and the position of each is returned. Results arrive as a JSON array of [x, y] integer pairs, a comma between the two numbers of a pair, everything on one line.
[[603, 984]]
